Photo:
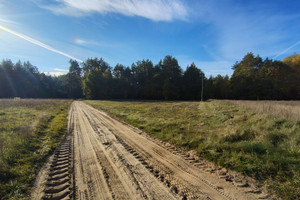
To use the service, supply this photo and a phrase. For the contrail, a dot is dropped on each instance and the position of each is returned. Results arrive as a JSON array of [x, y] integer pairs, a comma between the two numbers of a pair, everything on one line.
[[287, 49], [36, 42]]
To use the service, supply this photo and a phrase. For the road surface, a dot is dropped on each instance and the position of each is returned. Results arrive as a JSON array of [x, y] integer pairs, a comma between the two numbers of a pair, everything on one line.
[[105, 158]]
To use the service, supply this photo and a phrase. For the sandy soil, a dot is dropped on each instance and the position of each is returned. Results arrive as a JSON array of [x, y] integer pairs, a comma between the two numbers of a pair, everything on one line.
[[104, 158]]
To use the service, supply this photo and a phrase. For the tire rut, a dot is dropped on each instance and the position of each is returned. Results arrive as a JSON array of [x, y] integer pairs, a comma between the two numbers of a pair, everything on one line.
[[129, 168], [60, 184]]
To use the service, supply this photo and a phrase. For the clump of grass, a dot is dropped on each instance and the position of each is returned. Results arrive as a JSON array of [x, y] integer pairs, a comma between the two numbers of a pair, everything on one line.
[[29, 132], [244, 135], [258, 145]]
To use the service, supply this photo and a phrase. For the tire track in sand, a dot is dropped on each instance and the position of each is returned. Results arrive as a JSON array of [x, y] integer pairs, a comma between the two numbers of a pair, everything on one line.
[[104, 169], [104, 158]]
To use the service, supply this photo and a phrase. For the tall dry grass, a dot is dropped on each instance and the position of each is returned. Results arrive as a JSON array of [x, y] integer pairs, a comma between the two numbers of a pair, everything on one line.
[[283, 109]]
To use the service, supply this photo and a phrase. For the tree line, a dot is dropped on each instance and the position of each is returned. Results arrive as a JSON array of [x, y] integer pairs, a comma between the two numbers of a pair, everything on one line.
[[253, 78]]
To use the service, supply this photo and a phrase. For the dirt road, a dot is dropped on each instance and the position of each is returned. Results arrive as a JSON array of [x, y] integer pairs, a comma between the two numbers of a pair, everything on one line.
[[103, 158]]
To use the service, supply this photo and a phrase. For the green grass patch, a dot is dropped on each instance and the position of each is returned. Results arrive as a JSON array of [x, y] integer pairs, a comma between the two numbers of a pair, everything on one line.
[[29, 132], [258, 145]]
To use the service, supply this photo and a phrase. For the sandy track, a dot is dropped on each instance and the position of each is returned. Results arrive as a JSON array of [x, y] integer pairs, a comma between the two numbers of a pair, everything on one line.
[[108, 159], [56, 178]]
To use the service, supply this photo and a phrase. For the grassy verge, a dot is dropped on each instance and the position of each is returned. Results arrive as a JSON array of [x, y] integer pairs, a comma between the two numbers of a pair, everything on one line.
[[258, 145], [29, 133]]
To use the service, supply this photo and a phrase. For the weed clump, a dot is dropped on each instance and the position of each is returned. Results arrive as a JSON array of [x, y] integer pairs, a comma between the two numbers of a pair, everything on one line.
[[276, 138], [243, 135]]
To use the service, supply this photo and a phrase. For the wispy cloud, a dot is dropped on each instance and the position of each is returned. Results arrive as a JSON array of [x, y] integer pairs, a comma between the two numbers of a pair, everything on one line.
[[38, 43], [85, 42], [80, 41], [111, 45], [156, 10], [57, 72], [54, 73], [60, 70]]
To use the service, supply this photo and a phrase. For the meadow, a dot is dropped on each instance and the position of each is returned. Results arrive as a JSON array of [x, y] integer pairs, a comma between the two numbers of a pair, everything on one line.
[[30, 130], [283, 109], [257, 143]]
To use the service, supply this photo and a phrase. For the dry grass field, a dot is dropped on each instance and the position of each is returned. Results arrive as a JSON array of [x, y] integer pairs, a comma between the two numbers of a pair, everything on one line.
[[283, 109], [29, 132]]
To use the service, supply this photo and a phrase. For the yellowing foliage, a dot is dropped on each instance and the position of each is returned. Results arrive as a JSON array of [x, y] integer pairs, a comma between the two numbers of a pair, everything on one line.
[[293, 61]]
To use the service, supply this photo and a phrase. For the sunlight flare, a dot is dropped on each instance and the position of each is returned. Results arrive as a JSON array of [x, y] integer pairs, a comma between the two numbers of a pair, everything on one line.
[[38, 43]]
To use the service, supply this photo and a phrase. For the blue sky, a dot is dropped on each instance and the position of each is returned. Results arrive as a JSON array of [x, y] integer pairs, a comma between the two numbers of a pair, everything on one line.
[[212, 33]]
